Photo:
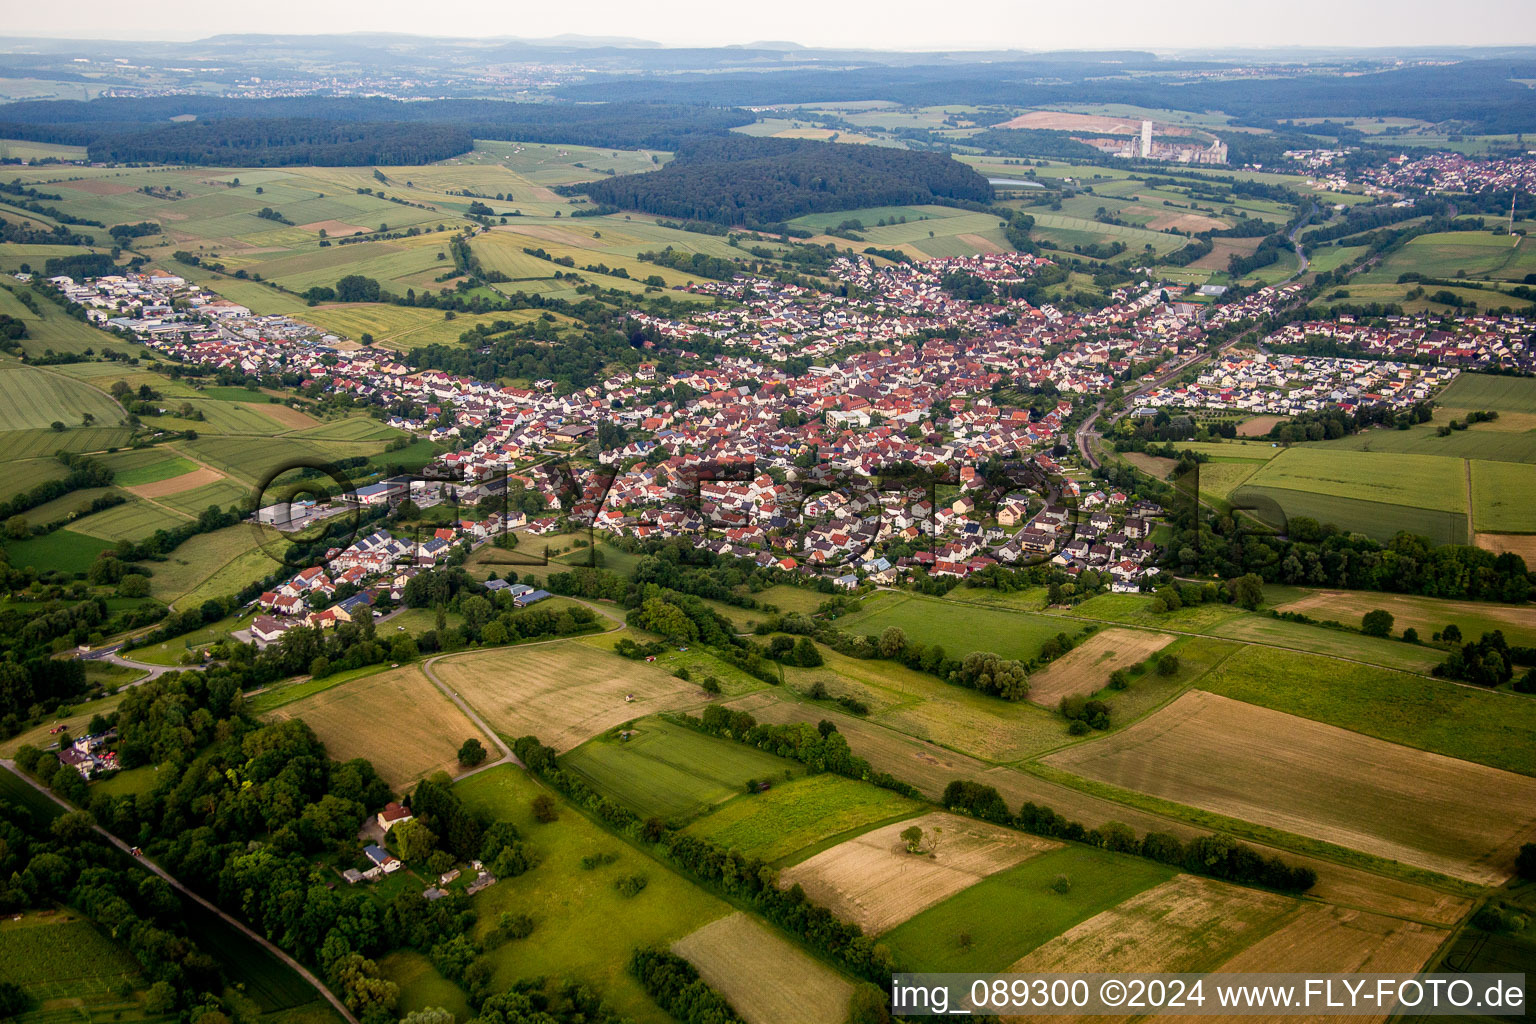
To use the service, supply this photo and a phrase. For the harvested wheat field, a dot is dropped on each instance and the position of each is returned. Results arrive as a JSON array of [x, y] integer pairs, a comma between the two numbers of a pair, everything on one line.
[[177, 484], [1455, 817], [1258, 426], [1192, 222], [874, 882], [979, 243], [564, 692], [1522, 544], [1086, 667], [766, 979], [1341, 939], [335, 228], [1185, 924], [396, 719]]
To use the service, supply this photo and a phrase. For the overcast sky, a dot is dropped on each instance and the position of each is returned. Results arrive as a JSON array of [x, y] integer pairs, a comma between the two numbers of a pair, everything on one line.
[[883, 24]]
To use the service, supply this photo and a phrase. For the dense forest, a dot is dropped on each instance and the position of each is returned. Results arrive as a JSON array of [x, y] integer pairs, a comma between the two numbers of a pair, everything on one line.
[[243, 142], [619, 124], [1482, 94], [753, 181]]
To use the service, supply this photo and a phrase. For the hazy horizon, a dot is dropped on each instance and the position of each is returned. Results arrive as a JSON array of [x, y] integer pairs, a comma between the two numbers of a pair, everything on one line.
[[898, 25]]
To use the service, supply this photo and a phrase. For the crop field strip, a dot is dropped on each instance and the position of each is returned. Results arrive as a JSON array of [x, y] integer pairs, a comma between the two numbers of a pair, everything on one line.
[[1087, 667], [563, 692], [1007, 915], [765, 978], [1426, 614], [793, 816], [398, 720], [873, 881], [1454, 817], [669, 770]]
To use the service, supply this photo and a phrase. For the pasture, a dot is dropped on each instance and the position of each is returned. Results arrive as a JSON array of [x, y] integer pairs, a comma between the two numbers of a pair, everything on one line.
[[563, 692], [671, 771], [873, 881], [1428, 615], [64, 550], [1485, 391], [576, 911], [765, 978], [797, 814], [1479, 254], [993, 924], [396, 719], [1464, 722], [421, 986], [1087, 667], [214, 564], [1186, 924], [1247, 762], [933, 621], [34, 397]]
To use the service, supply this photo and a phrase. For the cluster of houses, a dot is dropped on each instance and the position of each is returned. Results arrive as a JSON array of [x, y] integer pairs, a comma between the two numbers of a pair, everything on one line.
[[1454, 172], [1473, 342], [1286, 385]]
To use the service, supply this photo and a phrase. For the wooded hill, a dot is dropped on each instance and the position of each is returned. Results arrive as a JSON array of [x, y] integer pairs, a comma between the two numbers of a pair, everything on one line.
[[764, 181], [251, 125]]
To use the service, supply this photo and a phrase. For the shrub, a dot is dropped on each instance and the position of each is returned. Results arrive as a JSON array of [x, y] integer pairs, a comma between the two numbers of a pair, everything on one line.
[[630, 885], [1061, 885]]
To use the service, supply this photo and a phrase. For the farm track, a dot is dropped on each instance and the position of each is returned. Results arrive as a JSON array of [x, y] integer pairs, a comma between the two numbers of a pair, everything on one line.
[[176, 884], [507, 756]]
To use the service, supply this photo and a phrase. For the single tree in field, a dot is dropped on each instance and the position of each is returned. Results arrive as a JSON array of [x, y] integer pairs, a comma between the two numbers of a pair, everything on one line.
[[544, 809], [471, 753], [1376, 623], [912, 836]]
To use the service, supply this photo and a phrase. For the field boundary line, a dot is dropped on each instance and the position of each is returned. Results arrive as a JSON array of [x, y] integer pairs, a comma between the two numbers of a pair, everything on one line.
[[176, 884]]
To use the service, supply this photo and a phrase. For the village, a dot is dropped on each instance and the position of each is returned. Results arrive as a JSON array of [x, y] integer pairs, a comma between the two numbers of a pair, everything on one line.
[[845, 387]]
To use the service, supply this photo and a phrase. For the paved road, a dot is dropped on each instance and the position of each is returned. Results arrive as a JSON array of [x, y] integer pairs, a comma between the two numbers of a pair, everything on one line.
[[174, 883]]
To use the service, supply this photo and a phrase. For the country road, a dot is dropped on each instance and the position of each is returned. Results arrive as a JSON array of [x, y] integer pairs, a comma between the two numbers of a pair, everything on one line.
[[174, 883]]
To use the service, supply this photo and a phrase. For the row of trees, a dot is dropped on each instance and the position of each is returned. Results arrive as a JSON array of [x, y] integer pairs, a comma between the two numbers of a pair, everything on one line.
[[1218, 856]]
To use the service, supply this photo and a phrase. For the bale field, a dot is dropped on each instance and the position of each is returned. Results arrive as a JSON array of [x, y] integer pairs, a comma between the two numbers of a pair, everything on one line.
[[564, 693], [396, 719], [1186, 924], [1461, 819], [874, 882], [1086, 668], [766, 979]]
